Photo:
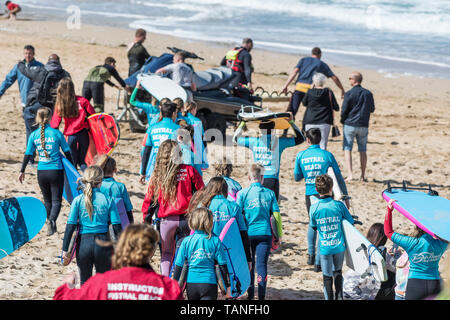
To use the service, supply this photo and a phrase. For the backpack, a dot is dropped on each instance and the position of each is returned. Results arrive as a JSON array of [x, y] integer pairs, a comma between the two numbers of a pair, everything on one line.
[[47, 90]]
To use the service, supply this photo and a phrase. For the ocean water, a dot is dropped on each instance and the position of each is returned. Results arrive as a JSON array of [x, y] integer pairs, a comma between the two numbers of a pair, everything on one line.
[[391, 36]]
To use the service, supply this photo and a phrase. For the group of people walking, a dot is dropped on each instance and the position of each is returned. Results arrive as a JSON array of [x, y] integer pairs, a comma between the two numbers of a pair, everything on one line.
[[181, 214]]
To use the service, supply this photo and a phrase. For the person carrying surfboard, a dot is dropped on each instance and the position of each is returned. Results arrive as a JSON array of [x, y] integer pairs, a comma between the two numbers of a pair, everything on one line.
[[214, 197], [309, 164], [150, 109], [258, 205], [130, 265], [112, 188], [202, 250], [171, 187], [326, 217], [74, 110], [223, 169], [164, 129], [424, 253], [267, 150], [50, 174], [93, 212]]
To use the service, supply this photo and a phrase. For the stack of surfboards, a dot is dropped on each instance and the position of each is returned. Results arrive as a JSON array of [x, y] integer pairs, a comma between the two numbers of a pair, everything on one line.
[[257, 114]]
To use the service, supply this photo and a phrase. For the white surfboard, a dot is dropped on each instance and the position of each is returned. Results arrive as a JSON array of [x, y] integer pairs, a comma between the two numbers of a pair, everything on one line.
[[161, 87], [360, 255]]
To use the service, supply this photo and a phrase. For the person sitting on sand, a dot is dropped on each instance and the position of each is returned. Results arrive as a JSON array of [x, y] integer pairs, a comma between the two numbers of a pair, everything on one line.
[[355, 116], [12, 9]]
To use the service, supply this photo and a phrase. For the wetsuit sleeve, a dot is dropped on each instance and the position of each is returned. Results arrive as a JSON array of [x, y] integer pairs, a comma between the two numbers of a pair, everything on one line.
[[68, 156], [225, 275], [115, 74], [275, 207], [70, 229], [246, 244], [10, 78], [247, 63], [345, 213], [73, 215], [239, 218], [181, 256], [26, 159], [126, 199], [31, 147], [223, 62], [177, 272], [298, 173], [145, 159]]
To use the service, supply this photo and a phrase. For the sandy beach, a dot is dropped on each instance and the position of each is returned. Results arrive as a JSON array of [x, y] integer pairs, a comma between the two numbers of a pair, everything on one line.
[[409, 139]]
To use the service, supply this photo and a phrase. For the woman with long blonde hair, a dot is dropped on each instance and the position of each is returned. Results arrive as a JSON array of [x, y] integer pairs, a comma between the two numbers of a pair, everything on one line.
[[75, 111], [130, 264], [93, 212], [171, 187], [50, 174]]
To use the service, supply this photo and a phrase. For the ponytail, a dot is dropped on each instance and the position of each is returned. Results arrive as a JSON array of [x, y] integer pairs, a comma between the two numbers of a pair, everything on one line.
[[92, 177], [42, 118], [189, 107]]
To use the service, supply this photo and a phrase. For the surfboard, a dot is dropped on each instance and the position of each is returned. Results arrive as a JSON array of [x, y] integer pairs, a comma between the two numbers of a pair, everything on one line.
[[275, 235], [427, 210], [236, 260], [105, 134], [251, 113], [162, 87], [361, 255], [122, 213], [21, 219], [71, 175]]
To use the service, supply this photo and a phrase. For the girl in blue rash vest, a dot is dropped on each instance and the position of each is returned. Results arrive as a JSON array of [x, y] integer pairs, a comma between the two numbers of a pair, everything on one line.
[[213, 197], [111, 188], [267, 150], [202, 250], [93, 212], [258, 204], [326, 217], [309, 164], [184, 138], [156, 134], [50, 173], [224, 169], [424, 253], [150, 109], [189, 114]]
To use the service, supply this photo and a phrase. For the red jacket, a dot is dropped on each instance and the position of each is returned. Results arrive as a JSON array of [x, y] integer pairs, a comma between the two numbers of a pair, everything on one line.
[[129, 283], [189, 181], [74, 125]]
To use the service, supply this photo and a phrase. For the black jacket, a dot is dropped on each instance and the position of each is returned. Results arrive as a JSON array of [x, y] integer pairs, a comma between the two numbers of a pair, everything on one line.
[[318, 103], [357, 106], [39, 75]]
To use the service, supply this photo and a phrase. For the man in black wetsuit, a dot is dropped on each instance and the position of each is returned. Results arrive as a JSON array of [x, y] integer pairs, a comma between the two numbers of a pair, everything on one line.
[[240, 61], [137, 54], [93, 85]]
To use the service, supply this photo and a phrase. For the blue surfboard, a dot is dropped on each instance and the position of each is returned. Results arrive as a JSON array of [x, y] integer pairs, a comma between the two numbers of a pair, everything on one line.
[[71, 175], [427, 210], [21, 219], [236, 260]]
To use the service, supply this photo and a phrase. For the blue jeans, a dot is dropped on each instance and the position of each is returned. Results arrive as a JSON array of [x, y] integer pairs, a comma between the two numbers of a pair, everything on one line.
[[331, 262], [360, 133], [260, 248]]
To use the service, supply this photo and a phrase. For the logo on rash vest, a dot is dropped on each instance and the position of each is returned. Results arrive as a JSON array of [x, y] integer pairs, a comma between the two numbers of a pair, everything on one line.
[[132, 291]]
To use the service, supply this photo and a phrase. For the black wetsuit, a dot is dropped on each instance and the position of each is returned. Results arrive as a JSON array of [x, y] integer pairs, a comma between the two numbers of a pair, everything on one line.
[[244, 76], [137, 55]]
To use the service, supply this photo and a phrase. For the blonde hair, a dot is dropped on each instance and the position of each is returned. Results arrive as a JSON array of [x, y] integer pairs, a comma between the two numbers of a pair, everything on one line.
[[164, 177], [43, 116], [189, 107], [91, 178], [223, 168], [201, 219], [135, 247], [180, 104], [256, 171], [66, 104], [216, 186]]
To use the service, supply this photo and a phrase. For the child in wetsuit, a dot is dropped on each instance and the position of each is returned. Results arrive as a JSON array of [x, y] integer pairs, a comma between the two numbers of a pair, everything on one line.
[[202, 250]]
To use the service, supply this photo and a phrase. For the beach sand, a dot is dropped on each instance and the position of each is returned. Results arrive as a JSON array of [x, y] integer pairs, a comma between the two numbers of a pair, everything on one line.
[[408, 140]]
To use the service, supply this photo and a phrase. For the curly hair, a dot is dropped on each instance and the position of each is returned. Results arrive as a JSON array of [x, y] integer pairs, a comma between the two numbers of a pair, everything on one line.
[[324, 184], [136, 246], [164, 178]]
